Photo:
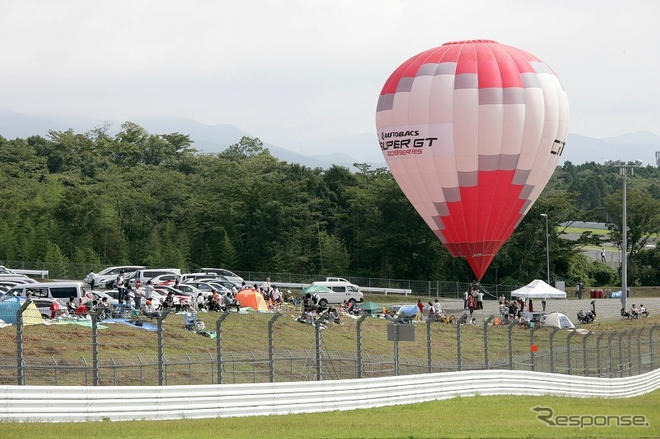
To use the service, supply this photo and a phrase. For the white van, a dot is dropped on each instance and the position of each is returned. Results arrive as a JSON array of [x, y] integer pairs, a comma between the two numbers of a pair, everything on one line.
[[342, 291], [43, 294]]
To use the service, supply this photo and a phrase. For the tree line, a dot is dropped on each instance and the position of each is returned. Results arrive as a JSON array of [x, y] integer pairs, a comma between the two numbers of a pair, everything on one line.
[[106, 198]]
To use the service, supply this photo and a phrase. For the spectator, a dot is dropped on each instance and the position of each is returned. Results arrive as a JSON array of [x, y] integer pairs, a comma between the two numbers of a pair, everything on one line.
[[420, 314], [543, 303], [90, 279], [437, 308], [471, 304], [201, 303], [169, 301], [480, 300], [148, 291], [148, 309], [465, 299], [266, 284], [119, 283], [71, 305]]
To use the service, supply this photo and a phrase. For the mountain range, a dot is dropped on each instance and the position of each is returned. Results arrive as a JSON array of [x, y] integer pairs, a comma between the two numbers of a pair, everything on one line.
[[361, 147]]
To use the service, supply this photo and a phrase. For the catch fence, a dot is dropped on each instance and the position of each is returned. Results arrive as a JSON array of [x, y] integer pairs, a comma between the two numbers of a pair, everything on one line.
[[434, 347]]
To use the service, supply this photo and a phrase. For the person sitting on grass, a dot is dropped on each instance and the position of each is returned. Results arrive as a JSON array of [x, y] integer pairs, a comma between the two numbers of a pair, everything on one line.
[[71, 305]]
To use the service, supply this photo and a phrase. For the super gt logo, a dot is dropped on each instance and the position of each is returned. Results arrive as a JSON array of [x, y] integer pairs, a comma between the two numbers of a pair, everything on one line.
[[395, 143]]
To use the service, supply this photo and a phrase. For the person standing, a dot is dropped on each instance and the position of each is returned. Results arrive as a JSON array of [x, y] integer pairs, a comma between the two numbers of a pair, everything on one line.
[[602, 255], [119, 283], [471, 303], [90, 279], [480, 300], [465, 299]]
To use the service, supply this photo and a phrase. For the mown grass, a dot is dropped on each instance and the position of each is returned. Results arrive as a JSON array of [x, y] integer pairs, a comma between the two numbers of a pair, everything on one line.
[[492, 416], [581, 230]]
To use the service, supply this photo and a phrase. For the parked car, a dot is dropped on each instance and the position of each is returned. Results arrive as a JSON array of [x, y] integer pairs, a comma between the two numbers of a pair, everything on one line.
[[108, 275], [197, 276], [164, 279], [230, 276]]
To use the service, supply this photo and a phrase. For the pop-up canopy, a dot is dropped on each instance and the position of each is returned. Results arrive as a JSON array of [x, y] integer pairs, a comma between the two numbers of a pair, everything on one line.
[[537, 289]]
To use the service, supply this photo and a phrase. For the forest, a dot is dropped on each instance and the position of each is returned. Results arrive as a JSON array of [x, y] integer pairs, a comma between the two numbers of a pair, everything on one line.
[[74, 200]]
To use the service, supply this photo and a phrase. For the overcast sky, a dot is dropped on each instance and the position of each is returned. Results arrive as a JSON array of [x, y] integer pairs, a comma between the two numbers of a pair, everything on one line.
[[293, 72]]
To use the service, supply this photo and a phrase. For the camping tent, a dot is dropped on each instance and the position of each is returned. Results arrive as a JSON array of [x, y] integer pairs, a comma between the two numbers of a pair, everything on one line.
[[372, 307], [537, 289], [252, 299], [9, 307], [558, 320]]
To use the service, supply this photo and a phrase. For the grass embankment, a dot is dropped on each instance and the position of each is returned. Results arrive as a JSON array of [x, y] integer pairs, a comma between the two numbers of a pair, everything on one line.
[[493, 416]]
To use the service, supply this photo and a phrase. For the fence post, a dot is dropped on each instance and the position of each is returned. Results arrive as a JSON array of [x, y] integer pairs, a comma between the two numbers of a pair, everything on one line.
[[459, 354], [510, 327], [568, 351], [584, 353], [630, 334], [317, 339], [271, 360], [396, 349], [429, 359], [639, 350], [600, 370], [552, 353], [486, 322], [651, 351], [161, 316], [532, 354], [95, 347], [218, 343], [141, 369], [20, 361], [359, 343], [609, 353], [620, 336]]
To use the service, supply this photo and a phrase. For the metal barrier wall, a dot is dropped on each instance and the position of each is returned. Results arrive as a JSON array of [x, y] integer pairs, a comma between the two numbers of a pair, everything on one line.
[[59, 404]]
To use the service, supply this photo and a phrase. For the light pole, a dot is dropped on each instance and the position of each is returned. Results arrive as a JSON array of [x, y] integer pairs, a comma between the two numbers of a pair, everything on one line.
[[547, 246], [623, 170]]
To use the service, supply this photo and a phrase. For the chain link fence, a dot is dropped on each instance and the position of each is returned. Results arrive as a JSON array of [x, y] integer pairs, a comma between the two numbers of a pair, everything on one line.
[[414, 348]]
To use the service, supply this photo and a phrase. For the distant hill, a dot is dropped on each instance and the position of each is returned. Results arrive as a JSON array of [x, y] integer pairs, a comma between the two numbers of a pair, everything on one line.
[[344, 151], [631, 146]]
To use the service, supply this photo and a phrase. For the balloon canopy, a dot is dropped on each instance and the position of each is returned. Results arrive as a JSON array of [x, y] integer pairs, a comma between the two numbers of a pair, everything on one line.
[[472, 132]]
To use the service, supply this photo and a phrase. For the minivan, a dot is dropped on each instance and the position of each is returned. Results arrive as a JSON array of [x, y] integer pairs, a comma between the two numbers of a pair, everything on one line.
[[43, 294]]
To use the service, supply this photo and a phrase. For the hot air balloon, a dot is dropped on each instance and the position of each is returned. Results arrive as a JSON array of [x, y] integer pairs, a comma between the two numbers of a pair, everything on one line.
[[472, 132]]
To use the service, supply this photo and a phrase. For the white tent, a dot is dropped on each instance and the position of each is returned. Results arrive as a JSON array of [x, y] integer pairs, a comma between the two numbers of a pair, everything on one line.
[[537, 289], [558, 320]]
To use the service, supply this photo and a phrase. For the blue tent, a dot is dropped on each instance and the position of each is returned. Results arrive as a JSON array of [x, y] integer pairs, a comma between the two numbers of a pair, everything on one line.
[[408, 311], [8, 308]]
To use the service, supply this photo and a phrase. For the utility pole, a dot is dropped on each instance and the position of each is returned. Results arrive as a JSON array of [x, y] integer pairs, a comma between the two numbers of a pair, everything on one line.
[[623, 170], [547, 246]]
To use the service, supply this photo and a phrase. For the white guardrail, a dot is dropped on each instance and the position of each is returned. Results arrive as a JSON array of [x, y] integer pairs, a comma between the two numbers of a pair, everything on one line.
[[81, 403]]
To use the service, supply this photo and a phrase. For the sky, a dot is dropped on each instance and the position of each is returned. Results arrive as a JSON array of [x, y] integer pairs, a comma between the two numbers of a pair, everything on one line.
[[297, 73]]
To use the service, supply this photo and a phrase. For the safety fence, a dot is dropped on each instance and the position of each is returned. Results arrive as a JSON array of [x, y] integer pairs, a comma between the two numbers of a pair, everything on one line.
[[80, 403], [386, 349]]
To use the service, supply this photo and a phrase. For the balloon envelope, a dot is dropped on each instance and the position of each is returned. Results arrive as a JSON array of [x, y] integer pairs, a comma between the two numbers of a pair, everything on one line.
[[472, 132]]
